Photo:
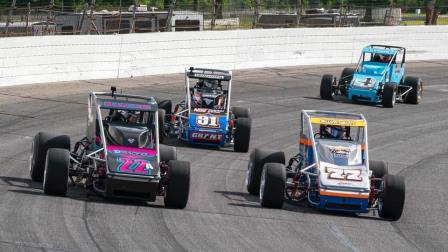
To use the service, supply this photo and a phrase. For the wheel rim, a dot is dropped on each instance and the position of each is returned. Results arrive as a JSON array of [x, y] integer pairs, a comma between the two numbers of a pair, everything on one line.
[[249, 172], [262, 184], [419, 91], [394, 97], [32, 156]]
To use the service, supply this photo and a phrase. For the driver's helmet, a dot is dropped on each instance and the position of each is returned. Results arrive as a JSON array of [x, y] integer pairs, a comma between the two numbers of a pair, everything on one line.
[[197, 100], [336, 132], [385, 58], [131, 116]]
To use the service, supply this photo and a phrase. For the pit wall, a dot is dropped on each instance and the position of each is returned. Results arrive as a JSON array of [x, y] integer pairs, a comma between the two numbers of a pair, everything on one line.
[[26, 60]]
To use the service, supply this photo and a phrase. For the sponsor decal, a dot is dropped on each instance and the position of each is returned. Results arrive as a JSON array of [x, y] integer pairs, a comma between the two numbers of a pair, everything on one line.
[[205, 136], [339, 151], [122, 105], [131, 140], [338, 122], [130, 151], [209, 76], [200, 110]]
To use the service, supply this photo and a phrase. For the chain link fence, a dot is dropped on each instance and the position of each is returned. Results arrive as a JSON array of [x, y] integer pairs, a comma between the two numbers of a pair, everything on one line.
[[57, 19]]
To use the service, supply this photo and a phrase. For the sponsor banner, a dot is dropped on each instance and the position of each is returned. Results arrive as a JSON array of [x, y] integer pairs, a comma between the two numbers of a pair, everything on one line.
[[206, 136], [128, 106], [338, 121]]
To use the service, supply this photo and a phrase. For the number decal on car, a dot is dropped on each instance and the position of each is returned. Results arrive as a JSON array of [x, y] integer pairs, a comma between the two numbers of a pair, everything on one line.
[[344, 174], [207, 121], [129, 165]]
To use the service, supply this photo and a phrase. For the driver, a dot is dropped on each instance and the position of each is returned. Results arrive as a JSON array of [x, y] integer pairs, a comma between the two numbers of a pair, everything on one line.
[[335, 132], [131, 117], [383, 58]]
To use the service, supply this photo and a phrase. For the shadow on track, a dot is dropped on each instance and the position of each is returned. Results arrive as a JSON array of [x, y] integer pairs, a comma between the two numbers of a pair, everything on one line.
[[29, 187]]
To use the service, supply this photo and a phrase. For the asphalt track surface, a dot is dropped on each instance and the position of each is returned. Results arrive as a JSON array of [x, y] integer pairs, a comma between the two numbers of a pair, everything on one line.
[[221, 215]]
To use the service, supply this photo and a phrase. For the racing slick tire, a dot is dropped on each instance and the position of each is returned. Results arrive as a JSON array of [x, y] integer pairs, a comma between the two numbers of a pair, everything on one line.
[[346, 78], [178, 185], [166, 105], [257, 160], [56, 171], [326, 87], [415, 95], [272, 185], [41, 143], [242, 134], [167, 153], [389, 95], [379, 168], [391, 199], [161, 118], [240, 112]]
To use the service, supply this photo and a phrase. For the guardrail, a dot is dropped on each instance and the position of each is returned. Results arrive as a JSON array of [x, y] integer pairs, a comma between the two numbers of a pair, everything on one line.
[[25, 60]]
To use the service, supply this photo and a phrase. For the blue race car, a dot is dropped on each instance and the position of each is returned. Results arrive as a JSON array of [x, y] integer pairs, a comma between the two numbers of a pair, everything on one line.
[[378, 78], [332, 170], [205, 117]]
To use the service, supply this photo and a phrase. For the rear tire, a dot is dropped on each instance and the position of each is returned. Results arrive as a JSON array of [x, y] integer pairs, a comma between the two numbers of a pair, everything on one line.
[[326, 87], [392, 197], [162, 116], [389, 95], [346, 78], [255, 167], [415, 95], [240, 112], [56, 171], [41, 143], [272, 188], [166, 105], [178, 185], [167, 153], [242, 134], [379, 169]]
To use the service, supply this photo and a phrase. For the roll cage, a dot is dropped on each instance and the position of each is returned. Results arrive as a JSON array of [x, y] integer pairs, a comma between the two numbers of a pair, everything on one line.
[[393, 51], [208, 74], [95, 124]]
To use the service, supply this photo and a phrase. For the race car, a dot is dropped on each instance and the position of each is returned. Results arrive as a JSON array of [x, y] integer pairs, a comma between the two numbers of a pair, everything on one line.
[[204, 116], [379, 78], [332, 170], [119, 157]]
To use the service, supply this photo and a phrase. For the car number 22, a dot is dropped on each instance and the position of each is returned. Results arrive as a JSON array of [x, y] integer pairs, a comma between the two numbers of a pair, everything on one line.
[[344, 174], [208, 121]]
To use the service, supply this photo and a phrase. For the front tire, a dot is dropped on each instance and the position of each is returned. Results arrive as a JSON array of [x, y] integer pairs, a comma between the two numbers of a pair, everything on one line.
[[272, 187], [379, 169], [178, 185], [391, 201], [326, 87], [257, 160], [242, 134], [167, 153], [345, 80], [240, 112], [389, 95], [415, 95], [56, 171], [161, 118], [41, 143]]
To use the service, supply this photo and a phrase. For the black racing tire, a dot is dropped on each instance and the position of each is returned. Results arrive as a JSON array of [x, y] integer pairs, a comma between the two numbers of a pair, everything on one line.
[[161, 118], [41, 143], [240, 112], [166, 105], [242, 134], [57, 165], [391, 201], [257, 160], [389, 95], [326, 87], [272, 185], [346, 78], [379, 168], [415, 95], [178, 185], [167, 153]]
